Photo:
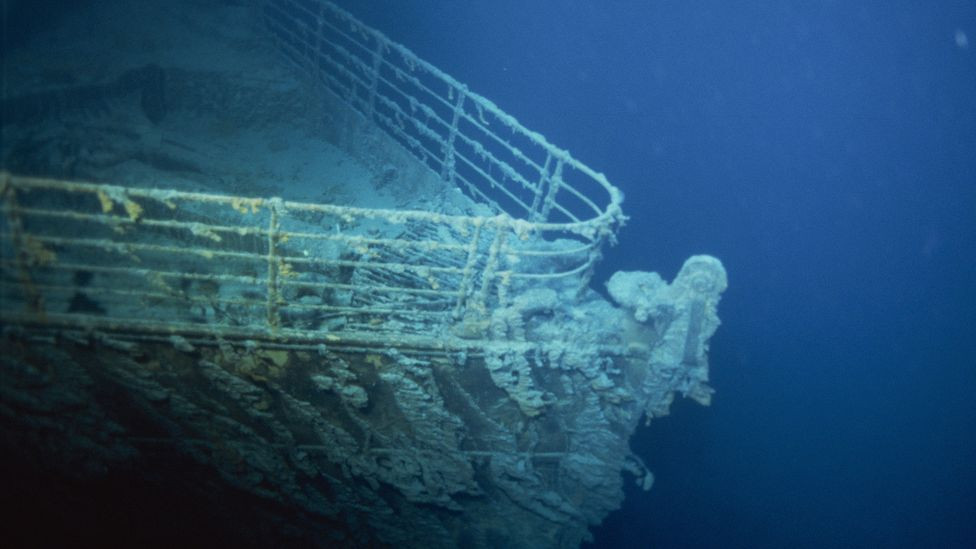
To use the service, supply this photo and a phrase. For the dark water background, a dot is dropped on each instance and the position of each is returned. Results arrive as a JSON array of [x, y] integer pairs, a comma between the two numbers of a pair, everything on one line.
[[826, 152]]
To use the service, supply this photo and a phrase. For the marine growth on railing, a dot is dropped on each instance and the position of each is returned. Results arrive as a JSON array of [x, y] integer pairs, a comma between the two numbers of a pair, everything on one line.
[[460, 135], [104, 256], [137, 259]]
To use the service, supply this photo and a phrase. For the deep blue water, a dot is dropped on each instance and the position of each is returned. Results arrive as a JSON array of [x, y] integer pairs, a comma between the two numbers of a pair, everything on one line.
[[826, 152]]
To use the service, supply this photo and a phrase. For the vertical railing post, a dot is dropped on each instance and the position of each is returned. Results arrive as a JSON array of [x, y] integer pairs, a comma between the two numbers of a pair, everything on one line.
[[374, 82], [592, 258], [22, 256], [534, 212], [274, 291], [555, 181], [468, 274], [491, 264], [448, 166]]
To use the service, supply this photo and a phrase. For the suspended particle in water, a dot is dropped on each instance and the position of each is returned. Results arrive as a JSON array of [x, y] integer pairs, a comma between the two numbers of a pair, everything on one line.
[[962, 41]]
